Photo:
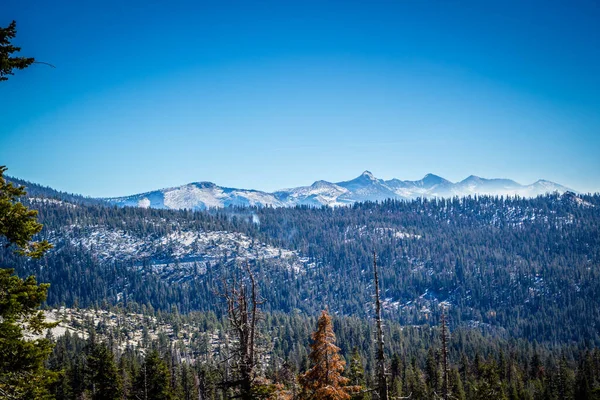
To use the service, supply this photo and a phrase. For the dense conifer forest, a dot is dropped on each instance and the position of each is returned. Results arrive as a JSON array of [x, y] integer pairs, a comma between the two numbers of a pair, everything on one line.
[[523, 268], [515, 277], [480, 366]]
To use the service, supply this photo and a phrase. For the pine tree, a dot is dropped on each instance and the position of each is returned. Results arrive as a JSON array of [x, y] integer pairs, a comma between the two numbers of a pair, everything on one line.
[[396, 370], [415, 382], [432, 371], [18, 224], [456, 386], [189, 390], [23, 374], [488, 385], [324, 380], [104, 375], [8, 62], [153, 381], [356, 374], [584, 378]]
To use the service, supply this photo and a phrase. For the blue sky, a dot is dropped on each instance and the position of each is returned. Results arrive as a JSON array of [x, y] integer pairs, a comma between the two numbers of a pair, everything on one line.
[[265, 95]]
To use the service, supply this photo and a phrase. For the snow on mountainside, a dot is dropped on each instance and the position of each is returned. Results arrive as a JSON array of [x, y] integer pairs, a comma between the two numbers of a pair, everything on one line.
[[198, 196], [176, 255], [317, 194], [366, 187]]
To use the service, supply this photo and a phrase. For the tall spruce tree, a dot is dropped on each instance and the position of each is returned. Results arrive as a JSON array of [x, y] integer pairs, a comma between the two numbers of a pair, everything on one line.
[[356, 374], [153, 380], [104, 374], [23, 374]]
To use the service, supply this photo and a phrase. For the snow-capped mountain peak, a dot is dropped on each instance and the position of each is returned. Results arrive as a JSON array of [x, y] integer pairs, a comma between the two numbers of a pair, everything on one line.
[[431, 180], [366, 187], [471, 179], [366, 178], [322, 184], [368, 175]]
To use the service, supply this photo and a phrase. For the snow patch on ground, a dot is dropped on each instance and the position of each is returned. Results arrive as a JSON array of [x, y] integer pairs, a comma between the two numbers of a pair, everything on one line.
[[180, 252]]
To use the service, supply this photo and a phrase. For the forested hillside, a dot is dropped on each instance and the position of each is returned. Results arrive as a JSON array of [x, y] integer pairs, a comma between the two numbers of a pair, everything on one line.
[[194, 350], [524, 268]]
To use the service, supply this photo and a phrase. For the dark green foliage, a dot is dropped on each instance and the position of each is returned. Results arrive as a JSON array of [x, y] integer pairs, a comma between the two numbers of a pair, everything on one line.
[[488, 385], [153, 380], [22, 371], [480, 365], [518, 267], [18, 224], [104, 376], [456, 387], [356, 374], [521, 267], [9, 62]]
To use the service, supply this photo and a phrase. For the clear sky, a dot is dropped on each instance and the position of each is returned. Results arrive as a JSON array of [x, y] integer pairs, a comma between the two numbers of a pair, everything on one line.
[[264, 95]]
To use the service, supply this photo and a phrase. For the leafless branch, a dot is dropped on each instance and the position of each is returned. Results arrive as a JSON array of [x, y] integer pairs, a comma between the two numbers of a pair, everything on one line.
[[45, 63]]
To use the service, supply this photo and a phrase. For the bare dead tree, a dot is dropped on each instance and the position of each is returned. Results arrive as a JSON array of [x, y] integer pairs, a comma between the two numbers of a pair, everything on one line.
[[382, 387], [445, 372], [242, 302]]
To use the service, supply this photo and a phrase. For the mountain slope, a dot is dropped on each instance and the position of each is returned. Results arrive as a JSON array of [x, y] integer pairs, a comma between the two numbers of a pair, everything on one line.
[[35, 190], [366, 187], [198, 196], [511, 263]]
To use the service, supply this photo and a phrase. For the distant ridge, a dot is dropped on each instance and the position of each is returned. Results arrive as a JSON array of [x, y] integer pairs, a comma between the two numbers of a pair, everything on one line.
[[365, 187], [36, 190]]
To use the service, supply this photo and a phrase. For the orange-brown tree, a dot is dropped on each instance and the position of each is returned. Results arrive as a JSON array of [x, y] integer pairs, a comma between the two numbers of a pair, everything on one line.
[[324, 380]]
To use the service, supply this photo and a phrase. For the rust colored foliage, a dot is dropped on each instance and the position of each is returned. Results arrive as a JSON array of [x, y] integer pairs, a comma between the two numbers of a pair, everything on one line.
[[324, 380]]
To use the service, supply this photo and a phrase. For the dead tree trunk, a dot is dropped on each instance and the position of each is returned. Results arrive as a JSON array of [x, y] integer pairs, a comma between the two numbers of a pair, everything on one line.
[[242, 310], [382, 387], [445, 372]]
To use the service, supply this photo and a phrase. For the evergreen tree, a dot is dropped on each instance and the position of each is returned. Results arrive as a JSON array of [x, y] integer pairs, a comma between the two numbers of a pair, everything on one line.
[[324, 380], [396, 377], [104, 375], [189, 391], [488, 386], [153, 381], [414, 382], [8, 62], [356, 374], [585, 378], [18, 224], [432, 371], [456, 386], [129, 367], [23, 374]]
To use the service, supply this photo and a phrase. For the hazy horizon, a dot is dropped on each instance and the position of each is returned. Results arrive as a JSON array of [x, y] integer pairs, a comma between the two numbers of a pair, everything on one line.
[[292, 187]]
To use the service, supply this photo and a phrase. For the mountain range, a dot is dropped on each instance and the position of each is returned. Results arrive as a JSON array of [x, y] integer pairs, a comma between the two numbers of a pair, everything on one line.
[[366, 187]]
